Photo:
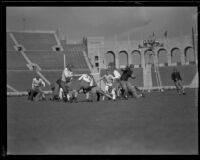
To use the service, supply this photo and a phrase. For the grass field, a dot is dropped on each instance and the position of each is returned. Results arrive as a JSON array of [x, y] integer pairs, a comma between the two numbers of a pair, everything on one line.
[[160, 123]]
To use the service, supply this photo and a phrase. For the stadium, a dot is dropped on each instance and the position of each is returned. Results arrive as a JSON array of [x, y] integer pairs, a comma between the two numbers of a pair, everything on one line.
[[161, 123]]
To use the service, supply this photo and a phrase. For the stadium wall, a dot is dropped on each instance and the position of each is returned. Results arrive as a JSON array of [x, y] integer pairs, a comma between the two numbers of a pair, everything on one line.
[[174, 53]]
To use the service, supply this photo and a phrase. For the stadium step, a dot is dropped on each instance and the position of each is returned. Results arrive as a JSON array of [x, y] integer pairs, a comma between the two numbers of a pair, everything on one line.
[[147, 77], [195, 81]]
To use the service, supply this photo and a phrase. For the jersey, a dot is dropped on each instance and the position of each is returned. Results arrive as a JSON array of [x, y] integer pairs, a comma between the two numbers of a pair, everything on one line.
[[86, 78], [126, 75], [116, 74], [176, 76], [66, 75], [36, 83], [109, 79]]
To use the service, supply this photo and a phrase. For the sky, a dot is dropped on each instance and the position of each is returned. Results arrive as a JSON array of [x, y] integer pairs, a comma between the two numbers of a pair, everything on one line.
[[112, 23]]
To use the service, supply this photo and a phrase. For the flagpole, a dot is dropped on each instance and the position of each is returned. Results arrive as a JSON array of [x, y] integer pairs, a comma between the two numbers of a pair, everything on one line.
[[64, 61]]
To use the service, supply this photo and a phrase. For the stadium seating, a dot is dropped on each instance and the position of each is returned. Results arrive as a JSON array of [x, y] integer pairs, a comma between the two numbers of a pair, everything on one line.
[[54, 60], [20, 80], [36, 41], [138, 81], [9, 43], [76, 59], [9, 90], [15, 61], [73, 47], [187, 73], [46, 59], [52, 76]]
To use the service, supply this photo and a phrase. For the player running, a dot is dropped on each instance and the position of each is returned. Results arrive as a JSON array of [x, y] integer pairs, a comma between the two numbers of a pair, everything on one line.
[[116, 82], [176, 77], [126, 85]]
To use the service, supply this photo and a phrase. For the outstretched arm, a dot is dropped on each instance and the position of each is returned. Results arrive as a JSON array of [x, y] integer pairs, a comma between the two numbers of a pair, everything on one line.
[[81, 77], [43, 83]]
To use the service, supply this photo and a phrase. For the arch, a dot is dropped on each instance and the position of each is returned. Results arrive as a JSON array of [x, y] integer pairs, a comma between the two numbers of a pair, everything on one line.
[[123, 58], [148, 54], [162, 56], [189, 54], [136, 57], [110, 57], [175, 55]]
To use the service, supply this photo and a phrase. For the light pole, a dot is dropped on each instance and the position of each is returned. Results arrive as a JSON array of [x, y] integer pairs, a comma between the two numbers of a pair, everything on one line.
[[151, 44]]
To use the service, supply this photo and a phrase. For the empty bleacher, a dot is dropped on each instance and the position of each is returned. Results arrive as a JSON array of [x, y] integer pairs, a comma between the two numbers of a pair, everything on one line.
[[20, 80], [15, 61], [38, 48], [54, 60], [9, 43], [46, 59], [138, 81], [9, 90], [76, 59], [187, 73], [73, 47], [52, 76], [36, 41]]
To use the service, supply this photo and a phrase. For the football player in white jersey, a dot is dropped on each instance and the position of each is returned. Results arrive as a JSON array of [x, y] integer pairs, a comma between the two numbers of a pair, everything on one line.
[[86, 84], [37, 85], [109, 79]]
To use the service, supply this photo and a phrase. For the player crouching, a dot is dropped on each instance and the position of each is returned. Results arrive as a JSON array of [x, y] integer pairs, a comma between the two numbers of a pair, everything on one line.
[[36, 92]]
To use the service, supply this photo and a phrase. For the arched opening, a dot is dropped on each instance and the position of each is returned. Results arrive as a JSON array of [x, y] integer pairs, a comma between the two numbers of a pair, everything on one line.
[[176, 55], [123, 59], [162, 56], [149, 59], [110, 58], [189, 54], [136, 57]]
